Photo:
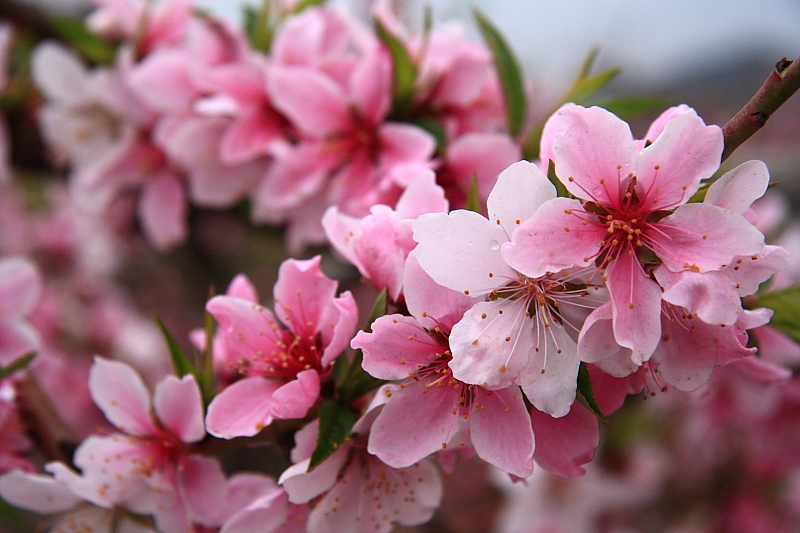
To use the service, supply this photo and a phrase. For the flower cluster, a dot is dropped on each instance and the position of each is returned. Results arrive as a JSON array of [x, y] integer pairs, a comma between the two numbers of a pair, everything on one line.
[[515, 303]]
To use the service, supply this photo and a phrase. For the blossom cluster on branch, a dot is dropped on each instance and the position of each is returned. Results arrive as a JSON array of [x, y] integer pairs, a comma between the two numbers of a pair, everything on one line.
[[528, 278]]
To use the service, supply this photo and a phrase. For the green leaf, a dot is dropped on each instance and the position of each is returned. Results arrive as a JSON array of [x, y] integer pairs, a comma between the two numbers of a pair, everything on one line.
[[786, 305], [304, 4], [258, 26], [508, 71], [588, 62], [585, 388], [88, 44], [700, 195], [335, 423], [587, 86], [404, 71], [561, 191], [16, 364], [380, 308], [631, 107], [473, 198], [180, 361]]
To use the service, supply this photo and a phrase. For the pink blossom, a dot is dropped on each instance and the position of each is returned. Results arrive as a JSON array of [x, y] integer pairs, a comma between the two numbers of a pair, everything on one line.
[[355, 491], [431, 410], [282, 368], [379, 243], [524, 332], [20, 290], [630, 215], [147, 466]]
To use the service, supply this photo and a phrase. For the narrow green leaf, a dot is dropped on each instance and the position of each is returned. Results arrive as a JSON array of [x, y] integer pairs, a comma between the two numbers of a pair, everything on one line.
[[88, 44], [16, 364], [631, 107], [335, 423], [531, 145], [588, 63], [473, 197], [404, 71], [258, 26], [508, 71], [379, 309], [700, 195], [427, 21], [180, 362], [786, 305], [304, 4], [585, 388], [586, 87], [561, 191], [207, 381]]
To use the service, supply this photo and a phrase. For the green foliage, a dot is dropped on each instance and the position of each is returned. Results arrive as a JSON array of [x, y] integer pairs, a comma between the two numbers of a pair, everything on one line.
[[335, 423], [16, 364], [473, 198], [435, 128], [561, 191], [509, 73], [404, 70], [89, 45], [352, 381], [587, 394], [786, 305], [631, 107], [182, 364]]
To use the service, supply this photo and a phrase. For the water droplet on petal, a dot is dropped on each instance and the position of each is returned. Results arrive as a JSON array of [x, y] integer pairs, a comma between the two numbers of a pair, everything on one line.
[[494, 245]]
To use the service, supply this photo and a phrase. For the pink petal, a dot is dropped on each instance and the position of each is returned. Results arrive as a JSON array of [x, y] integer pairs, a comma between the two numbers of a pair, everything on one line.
[[593, 154], [302, 485], [597, 344], [564, 444], [301, 294], [341, 317], [501, 431], [242, 409], [294, 399], [371, 86], [59, 74], [416, 422], [493, 344], [179, 406], [249, 136], [553, 239], [242, 287], [520, 190], [464, 80], [36, 492], [705, 237], [20, 287], [420, 197], [203, 486], [669, 171], [311, 100], [123, 397], [553, 391], [404, 143], [461, 251], [162, 211], [636, 301], [737, 189], [711, 296], [17, 339], [248, 326], [658, 124], [163, 81], [430, 303], [484, 155], [397, 346]]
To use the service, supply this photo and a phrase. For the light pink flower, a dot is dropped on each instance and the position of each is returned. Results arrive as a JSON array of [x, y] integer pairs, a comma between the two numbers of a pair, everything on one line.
[[282, 367], [630, 214], [20, 290], [524, 332], [355, 491], [431, 410], [147, 467], [379, 243]]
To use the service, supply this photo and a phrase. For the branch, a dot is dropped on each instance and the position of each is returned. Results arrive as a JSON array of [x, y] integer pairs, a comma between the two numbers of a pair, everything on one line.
[[779, 86]]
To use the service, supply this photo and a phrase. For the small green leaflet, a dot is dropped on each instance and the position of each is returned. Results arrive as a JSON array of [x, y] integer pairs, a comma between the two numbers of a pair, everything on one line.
[[587, 86], [16, 364], [561, 191], [88, 44], [183, 365], [509, 73], [335, 423], [630, 107], [786, 305], [585, 388], [404, 71], [473, 199]]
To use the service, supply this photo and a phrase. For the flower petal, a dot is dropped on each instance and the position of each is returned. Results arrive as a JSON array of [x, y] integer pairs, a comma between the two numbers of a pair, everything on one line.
[[564, 444], [242, 409], [123, 397], [179, 406], [518, 193]]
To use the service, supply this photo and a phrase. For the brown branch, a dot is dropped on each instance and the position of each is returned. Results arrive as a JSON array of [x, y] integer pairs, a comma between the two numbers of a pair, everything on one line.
[[54, 439], [779, 86]]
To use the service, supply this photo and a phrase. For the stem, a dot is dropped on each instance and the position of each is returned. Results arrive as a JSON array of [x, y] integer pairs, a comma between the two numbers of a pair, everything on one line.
[[55, 440], [779, 86]]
